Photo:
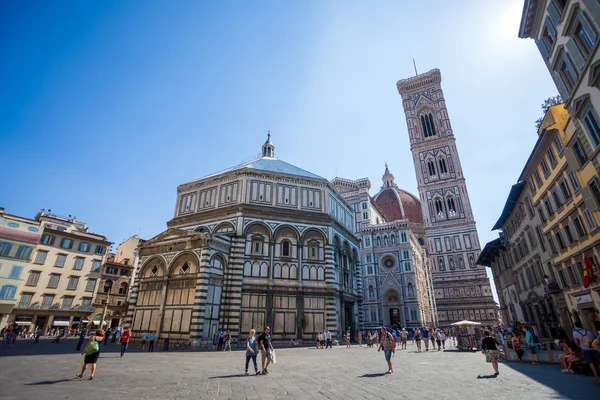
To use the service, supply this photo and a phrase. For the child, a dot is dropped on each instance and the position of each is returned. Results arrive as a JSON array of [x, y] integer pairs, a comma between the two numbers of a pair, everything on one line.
[[251, 351], [571, 356]]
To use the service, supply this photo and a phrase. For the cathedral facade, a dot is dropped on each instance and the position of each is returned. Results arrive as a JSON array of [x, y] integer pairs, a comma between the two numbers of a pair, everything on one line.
[[462, 288]]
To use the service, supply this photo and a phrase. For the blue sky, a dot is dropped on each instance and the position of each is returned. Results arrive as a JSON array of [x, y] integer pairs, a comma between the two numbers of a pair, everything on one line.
[[107, 106]]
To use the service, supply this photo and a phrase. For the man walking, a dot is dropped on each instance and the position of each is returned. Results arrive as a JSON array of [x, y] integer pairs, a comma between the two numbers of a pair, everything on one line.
[[125, 341], [151, 345], [328, 337], [425, 333], [403, 338], [266, 346], [388, 344], [81, 339], [221, 340], [531, 340]]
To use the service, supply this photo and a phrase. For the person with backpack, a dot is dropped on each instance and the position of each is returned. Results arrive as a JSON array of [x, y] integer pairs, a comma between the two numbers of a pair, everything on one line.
[[388, 344], [584, 339], [532, 341]]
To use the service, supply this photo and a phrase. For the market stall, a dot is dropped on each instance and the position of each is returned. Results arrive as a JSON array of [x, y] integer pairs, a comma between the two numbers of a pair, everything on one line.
[[468, 335]]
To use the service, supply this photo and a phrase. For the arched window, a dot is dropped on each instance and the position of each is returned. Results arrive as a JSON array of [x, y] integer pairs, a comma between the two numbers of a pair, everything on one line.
[[427, 125], [439, 207], [371, 292], [431, 168], [8, 292], [285, 248], [313, 252], [411, 292], [451, 205], [123, 288], [107, 285], [217, 262], [443, 169], [393, 239]]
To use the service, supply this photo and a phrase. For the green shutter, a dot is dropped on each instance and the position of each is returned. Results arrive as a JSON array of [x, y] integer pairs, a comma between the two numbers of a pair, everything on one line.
[[587, 25], [553, 13], [562, 89], [593, 8], [575, 54]]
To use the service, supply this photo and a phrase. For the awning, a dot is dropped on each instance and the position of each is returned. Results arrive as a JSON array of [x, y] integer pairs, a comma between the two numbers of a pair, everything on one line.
[[60, 323], [23, 322], [96, 323], [85, 321]]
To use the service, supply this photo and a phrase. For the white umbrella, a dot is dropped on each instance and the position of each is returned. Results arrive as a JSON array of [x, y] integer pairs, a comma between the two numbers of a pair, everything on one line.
[[466, 323]]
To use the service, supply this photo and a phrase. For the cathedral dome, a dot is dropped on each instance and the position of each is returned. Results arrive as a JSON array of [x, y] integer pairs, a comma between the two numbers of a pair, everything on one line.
[[396, 203]]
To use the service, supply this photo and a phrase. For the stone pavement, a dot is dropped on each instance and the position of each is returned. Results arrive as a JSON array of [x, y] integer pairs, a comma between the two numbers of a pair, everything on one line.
[[46, 371]]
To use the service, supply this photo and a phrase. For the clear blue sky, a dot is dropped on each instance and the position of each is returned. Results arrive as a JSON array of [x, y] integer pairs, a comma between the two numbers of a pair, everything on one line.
[[107, 106]]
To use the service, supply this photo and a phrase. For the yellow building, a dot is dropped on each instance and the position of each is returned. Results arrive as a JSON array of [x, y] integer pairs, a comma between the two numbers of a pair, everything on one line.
[[18, 240], [566, 196]]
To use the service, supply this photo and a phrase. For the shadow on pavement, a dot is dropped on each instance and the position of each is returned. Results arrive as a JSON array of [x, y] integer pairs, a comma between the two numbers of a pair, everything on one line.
[[49, 382], [373, 375], [229, 376], [487, 376]]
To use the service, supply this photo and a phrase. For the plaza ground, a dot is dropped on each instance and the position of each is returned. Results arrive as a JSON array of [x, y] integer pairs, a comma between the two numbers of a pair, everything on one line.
[[47, 371]]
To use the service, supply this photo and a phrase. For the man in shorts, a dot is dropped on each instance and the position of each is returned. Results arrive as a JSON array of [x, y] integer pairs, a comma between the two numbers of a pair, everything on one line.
[[266, 347], [425, 333], [388, 344], [531, 344], [403, 338], [584, 339]]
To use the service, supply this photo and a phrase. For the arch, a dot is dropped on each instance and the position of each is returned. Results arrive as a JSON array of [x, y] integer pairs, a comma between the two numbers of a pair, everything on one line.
[[431, 168], [185, 257], [378, 241], [255, 224], [451, 204], [108, 284], [154, 263], [224, 227], [123, 288], [439, 206], [392, 296], [427, 124], [289, 228], [443, 168], [218, 262], [393, 239], [202, 229], [385, 240], [313, 233]]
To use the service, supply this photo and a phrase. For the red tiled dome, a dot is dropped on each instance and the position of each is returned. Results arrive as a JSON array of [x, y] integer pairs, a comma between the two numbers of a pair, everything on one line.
[[399, 204]]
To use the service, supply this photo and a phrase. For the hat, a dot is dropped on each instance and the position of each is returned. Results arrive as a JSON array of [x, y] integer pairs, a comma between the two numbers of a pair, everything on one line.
[[403, 329]]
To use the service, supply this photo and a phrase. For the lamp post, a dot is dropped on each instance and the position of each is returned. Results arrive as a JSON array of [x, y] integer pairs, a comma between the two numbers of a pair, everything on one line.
[[104, 310]]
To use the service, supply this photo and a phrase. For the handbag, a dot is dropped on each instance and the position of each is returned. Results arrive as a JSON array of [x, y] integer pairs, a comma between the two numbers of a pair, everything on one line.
[[91, 348]]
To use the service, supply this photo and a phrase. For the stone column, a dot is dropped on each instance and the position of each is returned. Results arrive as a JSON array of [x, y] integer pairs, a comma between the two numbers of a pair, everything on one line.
[[198, 313], [231, 298]]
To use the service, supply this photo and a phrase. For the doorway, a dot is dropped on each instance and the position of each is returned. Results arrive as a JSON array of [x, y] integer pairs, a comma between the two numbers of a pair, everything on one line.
[[349, 319], [394, 316]]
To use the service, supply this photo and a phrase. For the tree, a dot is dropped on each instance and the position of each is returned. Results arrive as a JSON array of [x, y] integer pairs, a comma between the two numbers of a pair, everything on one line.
[[549, 102]]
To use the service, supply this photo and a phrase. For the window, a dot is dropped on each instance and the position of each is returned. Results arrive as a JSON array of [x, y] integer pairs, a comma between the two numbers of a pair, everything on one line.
[[15, 272], [558, 143], [112, 270], [407, 266], [551, 157], [439, 208], [427, 125], [48, 239], [86, 301], [8, 292], [24, 252], [53, 281], [403, 236], [5, 249], [367, 242], [579, 227], [60, 260], [123, 288], [538, 178], [579, 153], [557, 199], [532, 184], [569, 234], [370, 270], [369, 258], [548, 206], [559, 241], [100, 250], [34, 277], [551, 243], [95, 265], [73, 282], [542, 214], [257, 246], [66, 243], [566, 192], [84, 247], [451, 205], [107, 286], [405, 255], [443, 168], [67, 302], [91, 285], [591, 122], [25, 300], [47, 300], [584, 34], [545, 168], [549, 34], [530, 207], [574, 180], [538, 230], [41, 257], [566, 71], [431, 168], [590, 220], [365, 215], [364, 205], [78, 265], [595, 190]]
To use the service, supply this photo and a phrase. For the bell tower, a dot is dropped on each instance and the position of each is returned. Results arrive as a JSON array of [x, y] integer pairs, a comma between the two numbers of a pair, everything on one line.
[[461, 287]]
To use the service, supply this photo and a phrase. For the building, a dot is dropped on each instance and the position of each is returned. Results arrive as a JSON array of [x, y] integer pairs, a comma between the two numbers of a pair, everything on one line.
[[61, 283], [112, 292], [18, 240], [566, 33], [396, 280], [128, 253], [261, 243], [462, 288]]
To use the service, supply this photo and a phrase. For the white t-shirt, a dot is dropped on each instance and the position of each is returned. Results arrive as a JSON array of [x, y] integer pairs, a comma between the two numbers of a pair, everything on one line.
[[583, 335]]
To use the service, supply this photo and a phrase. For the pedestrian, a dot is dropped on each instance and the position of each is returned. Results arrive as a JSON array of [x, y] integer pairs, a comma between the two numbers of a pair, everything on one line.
[[425, 333], [403, 338], [65, 335], [125, 341], [412, 335], [516, 344], [443, 335], [438, 339], [81, 340], [323, 340], [584, 339], [571, 354], [151, 344], [266, 346], [433, 339], [328, 338], [359, 338], [56, 337], [318, 340], [144, 340], [347, 339], [490, 348], [417, 338], [221, 340], [532, 340], [92, 352], [251, 349], [388, 344], [227, 341], [37, 333], [106, 336]]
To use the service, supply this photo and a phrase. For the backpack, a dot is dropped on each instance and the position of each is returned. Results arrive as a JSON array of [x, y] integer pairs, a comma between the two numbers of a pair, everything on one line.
[[534, 338]]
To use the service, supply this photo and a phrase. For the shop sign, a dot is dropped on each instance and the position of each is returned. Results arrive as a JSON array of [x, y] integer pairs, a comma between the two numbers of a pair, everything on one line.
[[584, 298]]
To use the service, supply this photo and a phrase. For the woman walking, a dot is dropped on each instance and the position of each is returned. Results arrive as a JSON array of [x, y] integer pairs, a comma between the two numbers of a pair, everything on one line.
[[227, 341], [418, 338], [516, 344], [348, 339], [251, 351], [92, 352], [490, 349], [359, 338]]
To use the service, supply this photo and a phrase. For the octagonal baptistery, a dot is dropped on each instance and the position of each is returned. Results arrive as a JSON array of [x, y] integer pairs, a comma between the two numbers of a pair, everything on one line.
[[261, 243]]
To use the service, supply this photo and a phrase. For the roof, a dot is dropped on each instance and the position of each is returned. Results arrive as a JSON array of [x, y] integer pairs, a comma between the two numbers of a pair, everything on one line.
[[489, 252], [527, 18], [398, 204], [269, 164], [19, 236], [511, 201]]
